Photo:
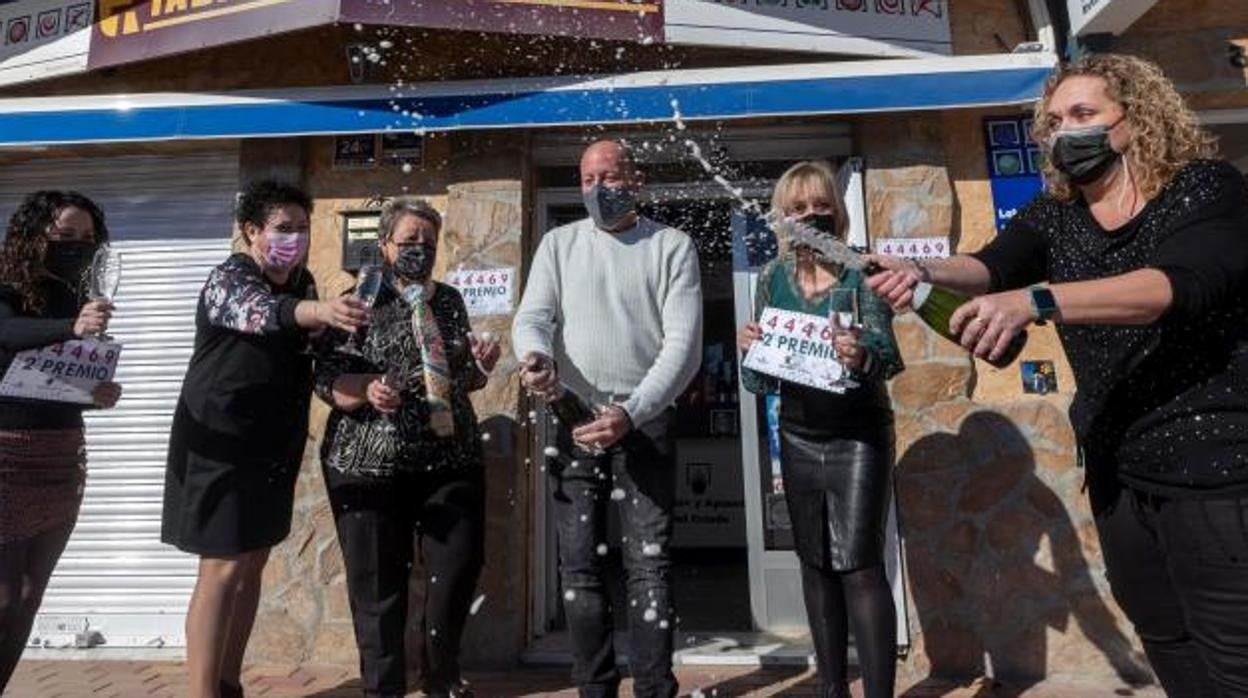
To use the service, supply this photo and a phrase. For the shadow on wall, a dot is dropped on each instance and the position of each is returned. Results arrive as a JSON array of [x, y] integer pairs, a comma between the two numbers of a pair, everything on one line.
[[995, 562]]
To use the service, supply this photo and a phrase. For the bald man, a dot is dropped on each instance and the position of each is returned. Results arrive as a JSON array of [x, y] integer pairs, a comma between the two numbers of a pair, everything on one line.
[[613, 311]]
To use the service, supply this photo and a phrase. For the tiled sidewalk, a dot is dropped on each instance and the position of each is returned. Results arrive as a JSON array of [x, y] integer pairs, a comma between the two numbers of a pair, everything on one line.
[[109, 679]]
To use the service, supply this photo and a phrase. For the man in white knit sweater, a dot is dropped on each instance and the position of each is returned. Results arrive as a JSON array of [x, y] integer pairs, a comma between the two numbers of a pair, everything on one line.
[[613, 310]]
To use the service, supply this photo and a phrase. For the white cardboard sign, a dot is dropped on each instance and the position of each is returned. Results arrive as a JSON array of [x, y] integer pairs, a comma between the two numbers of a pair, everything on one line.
[[64, 372], [913, 247], [485, 291], [796, 347]]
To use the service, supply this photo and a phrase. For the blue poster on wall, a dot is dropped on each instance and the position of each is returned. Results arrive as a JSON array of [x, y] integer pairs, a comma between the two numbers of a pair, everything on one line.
[[1013, 165]]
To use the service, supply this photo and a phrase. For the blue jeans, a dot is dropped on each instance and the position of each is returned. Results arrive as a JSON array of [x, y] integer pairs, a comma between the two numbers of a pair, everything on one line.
[[639, 475]]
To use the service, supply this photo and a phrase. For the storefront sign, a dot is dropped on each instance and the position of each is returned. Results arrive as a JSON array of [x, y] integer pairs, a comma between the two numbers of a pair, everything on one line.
[[135, 30], [65, 372], [855, 27], [1014, 162], [927, 248], [485, 291], [709, 511], [43, 39], [627, 20], [1105, 16], [796, 347]]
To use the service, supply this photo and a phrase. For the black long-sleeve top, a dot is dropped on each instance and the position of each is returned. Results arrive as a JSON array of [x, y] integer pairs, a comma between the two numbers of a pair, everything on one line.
[[20, 331], [249, 381], [1163, 406]]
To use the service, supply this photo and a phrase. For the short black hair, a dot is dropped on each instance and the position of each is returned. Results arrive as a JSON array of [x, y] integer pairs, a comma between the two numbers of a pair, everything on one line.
[[259, 198]]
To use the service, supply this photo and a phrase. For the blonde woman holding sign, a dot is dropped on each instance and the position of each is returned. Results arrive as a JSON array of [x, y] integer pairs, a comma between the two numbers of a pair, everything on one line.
[[836, 449]]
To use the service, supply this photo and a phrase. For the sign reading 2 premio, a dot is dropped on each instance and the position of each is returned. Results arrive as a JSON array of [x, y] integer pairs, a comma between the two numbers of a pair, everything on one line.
[[857, 27], [134, 30], [626, 20], [1105, 16]]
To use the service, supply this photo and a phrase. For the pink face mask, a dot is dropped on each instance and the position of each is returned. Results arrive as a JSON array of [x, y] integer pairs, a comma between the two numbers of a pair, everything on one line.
[[285, 249]]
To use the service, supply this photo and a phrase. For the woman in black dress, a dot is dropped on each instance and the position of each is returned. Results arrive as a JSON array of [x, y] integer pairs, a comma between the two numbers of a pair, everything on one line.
[[402, 459], [1138, 251], [836, 450], [47, 249], [241, 425]]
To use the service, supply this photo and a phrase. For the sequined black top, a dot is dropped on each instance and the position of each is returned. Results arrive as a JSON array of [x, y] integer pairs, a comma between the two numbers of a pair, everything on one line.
[[368, 443], [1163, 406]]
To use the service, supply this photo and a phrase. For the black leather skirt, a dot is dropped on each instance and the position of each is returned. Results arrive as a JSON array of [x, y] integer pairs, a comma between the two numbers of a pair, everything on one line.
[[838, 491]]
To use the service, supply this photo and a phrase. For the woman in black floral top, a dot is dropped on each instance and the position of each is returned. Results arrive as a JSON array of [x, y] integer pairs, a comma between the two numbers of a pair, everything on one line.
[[402, 457], [241, 425]]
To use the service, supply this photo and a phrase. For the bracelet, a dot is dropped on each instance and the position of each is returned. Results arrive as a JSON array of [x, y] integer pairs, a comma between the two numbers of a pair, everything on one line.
[[925, 274], [627, 416]]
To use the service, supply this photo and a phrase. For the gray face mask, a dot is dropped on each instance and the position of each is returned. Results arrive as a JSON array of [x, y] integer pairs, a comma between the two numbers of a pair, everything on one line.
[[609, 206], [1083, 154]]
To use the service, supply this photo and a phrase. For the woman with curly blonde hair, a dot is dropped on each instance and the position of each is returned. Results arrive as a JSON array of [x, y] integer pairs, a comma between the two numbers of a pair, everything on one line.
[[1138, 251]]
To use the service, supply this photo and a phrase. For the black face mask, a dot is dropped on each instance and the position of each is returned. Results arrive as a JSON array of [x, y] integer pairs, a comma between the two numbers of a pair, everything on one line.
[[415, 262], [69, 260], [1084, 155], [822, 222]]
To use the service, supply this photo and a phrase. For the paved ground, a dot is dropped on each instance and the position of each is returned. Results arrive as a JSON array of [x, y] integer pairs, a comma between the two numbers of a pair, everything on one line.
[[109, 679]]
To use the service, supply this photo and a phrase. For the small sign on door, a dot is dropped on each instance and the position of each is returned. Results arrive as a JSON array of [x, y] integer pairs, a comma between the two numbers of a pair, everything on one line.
[[485, 291]]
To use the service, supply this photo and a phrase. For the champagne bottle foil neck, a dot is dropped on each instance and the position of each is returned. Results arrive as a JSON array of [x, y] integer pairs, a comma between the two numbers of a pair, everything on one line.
[[922, 291]]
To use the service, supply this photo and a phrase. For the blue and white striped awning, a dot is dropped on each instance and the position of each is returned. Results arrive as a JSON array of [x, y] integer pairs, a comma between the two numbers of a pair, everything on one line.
[[719, 93]]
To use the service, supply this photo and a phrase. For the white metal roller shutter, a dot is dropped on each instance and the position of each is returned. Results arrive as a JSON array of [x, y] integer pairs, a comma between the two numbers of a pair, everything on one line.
[[170, 218]]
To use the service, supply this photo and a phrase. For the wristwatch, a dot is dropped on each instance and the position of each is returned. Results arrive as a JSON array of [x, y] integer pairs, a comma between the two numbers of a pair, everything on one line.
[[1043, 304]]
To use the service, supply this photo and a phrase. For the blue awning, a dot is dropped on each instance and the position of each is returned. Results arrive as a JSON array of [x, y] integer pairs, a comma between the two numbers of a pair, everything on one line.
[[719, 93]]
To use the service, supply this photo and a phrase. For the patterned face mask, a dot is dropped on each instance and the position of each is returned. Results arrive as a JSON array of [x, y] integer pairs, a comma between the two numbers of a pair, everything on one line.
[[285, 249], [608, 206], [415, 262]]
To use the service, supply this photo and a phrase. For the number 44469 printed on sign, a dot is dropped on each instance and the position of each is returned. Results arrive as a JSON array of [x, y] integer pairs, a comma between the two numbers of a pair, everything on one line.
[[63, 372], [913, 247]]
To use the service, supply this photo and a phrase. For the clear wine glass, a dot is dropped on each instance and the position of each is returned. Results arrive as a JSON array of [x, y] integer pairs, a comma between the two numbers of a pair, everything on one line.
[[843, 318], [104, 278], [395, 379], [368, 284]]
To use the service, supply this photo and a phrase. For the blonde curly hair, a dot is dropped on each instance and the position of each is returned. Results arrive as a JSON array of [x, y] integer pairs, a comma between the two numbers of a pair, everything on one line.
[[1165, 133]]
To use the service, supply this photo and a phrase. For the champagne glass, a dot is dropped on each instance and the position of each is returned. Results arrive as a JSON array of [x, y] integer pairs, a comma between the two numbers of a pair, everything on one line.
[[843, 318], [367, 287], [104, 278], [395, 379]]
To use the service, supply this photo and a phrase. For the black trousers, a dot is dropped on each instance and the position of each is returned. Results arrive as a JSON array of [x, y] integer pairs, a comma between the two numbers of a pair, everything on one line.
[[638, 475], [378, 521], [1179, 569]]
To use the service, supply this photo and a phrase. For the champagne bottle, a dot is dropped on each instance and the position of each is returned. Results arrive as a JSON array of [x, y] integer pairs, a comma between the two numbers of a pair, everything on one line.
[[570, 408], [935, 305]]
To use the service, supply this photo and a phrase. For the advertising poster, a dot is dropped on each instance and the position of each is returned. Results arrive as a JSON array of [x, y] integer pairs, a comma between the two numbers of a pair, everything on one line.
[[1013, 165]]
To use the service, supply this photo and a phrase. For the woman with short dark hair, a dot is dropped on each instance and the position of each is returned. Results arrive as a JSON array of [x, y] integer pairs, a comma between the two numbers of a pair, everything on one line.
[[402, 459], [47, 251], [241, 425]]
